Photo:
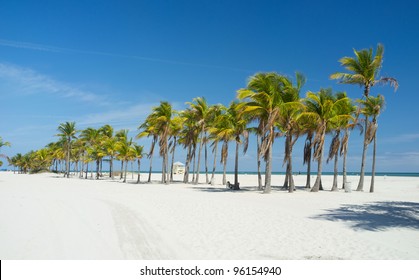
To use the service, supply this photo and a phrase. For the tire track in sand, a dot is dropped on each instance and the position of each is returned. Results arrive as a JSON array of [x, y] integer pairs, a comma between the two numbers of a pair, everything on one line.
[[137, 239]]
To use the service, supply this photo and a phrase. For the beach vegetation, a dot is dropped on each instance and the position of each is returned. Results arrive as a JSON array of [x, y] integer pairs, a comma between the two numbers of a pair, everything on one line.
[[263, 99], [68, 133], [323, 108], [372, 107], [364, 70]]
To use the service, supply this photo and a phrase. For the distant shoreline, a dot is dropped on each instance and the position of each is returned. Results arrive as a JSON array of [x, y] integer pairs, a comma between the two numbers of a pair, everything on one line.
[[391, 174]]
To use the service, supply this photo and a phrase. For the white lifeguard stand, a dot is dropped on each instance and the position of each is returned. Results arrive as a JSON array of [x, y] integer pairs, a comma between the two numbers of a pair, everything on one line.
[[178, 168]]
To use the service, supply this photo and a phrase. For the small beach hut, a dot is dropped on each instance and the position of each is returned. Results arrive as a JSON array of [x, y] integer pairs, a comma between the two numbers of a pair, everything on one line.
[[178, 168]]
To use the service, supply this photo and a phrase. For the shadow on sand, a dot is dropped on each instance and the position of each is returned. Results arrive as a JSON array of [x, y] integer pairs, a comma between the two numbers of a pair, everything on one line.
[[376, 216], [221, 189]]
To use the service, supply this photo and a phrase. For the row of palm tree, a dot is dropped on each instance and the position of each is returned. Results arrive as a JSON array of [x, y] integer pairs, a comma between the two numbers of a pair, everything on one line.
[[81, 148], [270, 107]]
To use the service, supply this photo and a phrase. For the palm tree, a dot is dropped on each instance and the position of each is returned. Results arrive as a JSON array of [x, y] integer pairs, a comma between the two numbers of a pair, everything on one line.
[[149, 130], [232, 126], [258, 156], [290, 108], [188, 137], [350, 109], [122, 136], [308, 126], [364, 71], [345, 109], [263, 93], [372, 106], [93, 140], [161, 117], [175, 127], [110, 146], [137, 153], [67, 130], [12, 161], [4, 143], [216, 111], [108, 141], [16, 161], [201, 110], [125, 154], [323, 108]]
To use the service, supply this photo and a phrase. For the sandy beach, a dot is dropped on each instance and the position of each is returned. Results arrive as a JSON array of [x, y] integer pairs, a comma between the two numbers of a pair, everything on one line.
[[46, 216]]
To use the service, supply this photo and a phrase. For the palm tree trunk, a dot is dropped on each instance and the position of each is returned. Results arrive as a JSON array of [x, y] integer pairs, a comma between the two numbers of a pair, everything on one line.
[[81, 168], [151, 166], [215, 161], [307, 154], [317, 184], [101, 167], [167, 165], [173, 159], [199, 158], [364, 154], [67, 164], [163, 170], [122, 170], [97, 169], [373, 164], [206, 160], [87, 170], [139, 170], [111, 168], [224, 172], [335, 174], [344, 163], [285, 186], [258, 139], [291, 185], [125, 172], [194, 165], [236, 168], [187, 165], [268, 170]]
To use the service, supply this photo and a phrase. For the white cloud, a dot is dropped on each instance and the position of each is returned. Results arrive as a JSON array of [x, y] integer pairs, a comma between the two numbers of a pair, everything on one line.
[[46, 48], [129, 116], [28, 81], [403, 138]]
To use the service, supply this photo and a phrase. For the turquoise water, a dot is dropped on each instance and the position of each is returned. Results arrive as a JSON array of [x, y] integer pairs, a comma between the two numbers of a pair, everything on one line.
[[393, 174]]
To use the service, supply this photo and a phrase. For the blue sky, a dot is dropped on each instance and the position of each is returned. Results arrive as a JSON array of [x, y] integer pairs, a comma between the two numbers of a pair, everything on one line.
[[99, 62]]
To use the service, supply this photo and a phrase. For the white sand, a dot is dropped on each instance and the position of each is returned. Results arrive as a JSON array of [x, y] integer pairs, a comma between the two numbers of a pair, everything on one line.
[[49, 217]]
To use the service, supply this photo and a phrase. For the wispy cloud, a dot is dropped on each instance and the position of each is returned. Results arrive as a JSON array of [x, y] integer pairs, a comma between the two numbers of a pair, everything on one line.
[[24, 45], [403, 138], [28, 81], [47, 48], [131, 116]]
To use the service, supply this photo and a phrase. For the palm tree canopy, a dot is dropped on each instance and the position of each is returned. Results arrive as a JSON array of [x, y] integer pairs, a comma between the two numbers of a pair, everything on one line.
[[324, 109], [364, 69], [372, 106], [67, 129], [200, 109], [137, 151], [2, 143]]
